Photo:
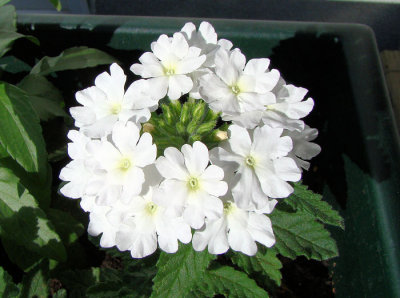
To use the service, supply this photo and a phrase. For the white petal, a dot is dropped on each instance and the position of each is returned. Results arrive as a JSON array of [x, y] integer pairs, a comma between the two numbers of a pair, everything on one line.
[[112, 85], [239, 140], [178, 85], [146, 151], [196, 157], [260, 228], [171, 165]]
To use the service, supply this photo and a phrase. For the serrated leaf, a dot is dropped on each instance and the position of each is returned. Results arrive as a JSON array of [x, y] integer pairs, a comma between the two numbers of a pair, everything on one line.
[[72, 58], [178, 272], [34, 284], [305, 200], [229, 282], [300, 234], [110, 289], [56, 4], [23, 222], [7, 287], [265, 262], [45, 98], [21, 134]]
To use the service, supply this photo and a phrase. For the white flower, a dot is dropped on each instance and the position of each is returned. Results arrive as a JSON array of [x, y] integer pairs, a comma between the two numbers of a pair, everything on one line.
[[288, 108], [106, 103], [169, 66], [303, 148], [259, 164], [145, 223], [79, 171], [191, 187], [235, 87], [238, 229], [99, 224], [120, 161]]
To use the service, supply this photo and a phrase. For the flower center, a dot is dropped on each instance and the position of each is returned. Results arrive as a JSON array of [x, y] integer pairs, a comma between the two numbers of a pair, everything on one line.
[[270, 107], [250, 161], [115, 108], [193, 183], [228, 207], [170, 72], [151, 208], [235, 89], [124, 164]]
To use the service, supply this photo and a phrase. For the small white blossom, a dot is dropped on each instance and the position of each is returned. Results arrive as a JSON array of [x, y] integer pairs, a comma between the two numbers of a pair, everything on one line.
[[259, 163], [288, 108], [191, 187], [145, 223], [235, 87], [106, 103], [303, 148], [238, 229], [169, 66], [79, 171], [120, 163]]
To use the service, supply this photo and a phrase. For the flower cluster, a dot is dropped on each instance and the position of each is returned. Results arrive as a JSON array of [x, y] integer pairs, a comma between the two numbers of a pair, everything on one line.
[[217, 199]]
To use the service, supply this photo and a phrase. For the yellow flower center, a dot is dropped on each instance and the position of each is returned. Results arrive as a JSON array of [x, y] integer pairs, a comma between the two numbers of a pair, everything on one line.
[[115, 108], [250, 161], [235, 89], [228, 208], [193, 183], [124, 164], [151, 208]]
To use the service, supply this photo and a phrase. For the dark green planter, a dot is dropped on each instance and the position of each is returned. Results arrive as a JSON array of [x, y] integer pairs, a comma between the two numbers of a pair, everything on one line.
[[358, 170]]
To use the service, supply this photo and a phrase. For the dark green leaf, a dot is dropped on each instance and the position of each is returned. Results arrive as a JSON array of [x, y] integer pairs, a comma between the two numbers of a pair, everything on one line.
[[7, 287], [111, 289], [73, 58], [178, 272], [305, 200], [23, 222], [34, 283], [21, 134], [300, 234], [229, 282], [3, 152], [265, 262], [41, 191], [15, 251], [78, 281], [8, 37], [56, 4], [66, 226], [13, 65], [45, 98], [61, 293]]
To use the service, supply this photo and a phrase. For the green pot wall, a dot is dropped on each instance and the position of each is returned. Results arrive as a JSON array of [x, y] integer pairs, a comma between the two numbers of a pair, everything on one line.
[[358, 170]]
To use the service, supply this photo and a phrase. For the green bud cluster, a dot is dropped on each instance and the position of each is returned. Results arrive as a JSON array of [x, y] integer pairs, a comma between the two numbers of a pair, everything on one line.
[[178, 124]]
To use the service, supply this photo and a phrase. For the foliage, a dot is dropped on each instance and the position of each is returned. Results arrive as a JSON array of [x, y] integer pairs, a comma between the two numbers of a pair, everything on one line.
[[49, 231]]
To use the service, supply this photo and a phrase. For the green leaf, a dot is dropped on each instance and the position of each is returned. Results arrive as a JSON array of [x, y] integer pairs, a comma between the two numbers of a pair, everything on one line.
[[178, 272], [61, 293], [3, 152], [72, 58], [305, 200], [66, 226], [300, 234], [20, 132], [110, 289], [45, 98], [35, 283], [8, 37], [265, 262], [56, 4], [8, 17], [7, 286], [15, 251], [13, 65], [78, 281], [229, 282], [23, 222], [4, 2]]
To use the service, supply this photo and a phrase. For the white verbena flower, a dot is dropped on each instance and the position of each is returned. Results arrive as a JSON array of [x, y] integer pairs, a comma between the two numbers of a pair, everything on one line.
[[169, 65], [191, 187], [106, 103], [145, 223], [259, 164], [288, 108], [238, 229], [303, 148], [79, 171], [121, 161], [235, 87]]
